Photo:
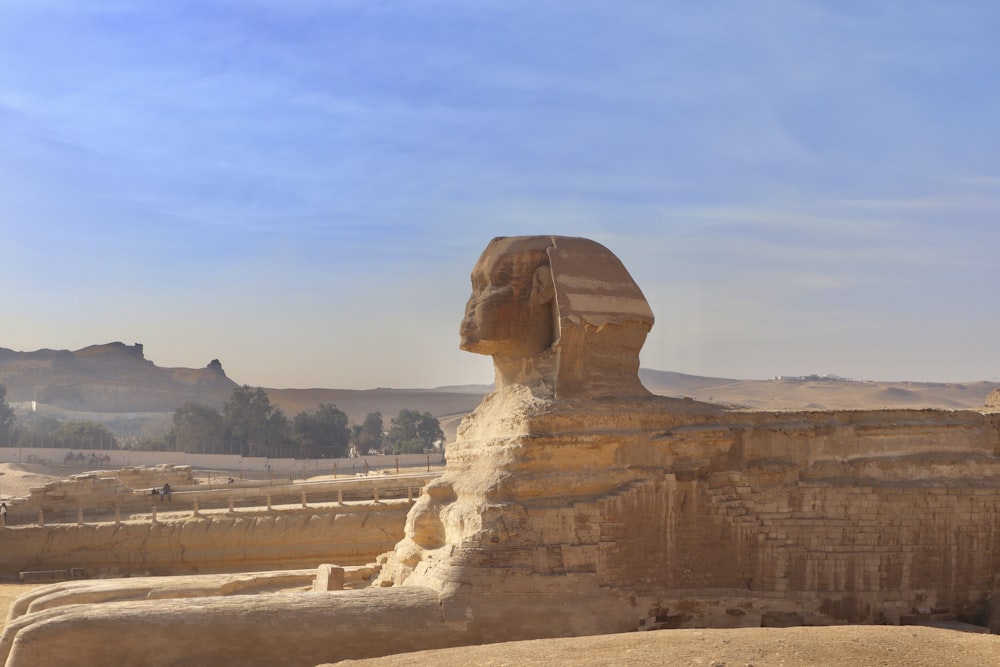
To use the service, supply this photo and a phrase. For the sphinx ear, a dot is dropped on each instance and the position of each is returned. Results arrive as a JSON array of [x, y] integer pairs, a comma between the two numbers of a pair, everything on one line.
[[542, 289]]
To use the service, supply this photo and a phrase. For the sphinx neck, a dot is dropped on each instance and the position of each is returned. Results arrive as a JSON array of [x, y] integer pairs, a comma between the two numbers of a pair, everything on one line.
[[536, 373]]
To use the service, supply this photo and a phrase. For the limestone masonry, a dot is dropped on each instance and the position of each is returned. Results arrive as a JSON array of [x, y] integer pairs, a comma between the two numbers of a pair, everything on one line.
[[106, 523], [574, 502]]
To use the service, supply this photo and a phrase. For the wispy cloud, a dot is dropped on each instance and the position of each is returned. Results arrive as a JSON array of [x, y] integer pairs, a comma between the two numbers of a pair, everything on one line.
[[949, 202]]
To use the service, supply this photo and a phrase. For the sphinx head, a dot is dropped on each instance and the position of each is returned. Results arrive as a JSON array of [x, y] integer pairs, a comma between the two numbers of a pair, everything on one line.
[[558, 314], [510, 311]]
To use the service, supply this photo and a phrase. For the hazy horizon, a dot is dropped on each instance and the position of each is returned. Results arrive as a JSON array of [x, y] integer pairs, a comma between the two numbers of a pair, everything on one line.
[[489, 382], [300, 189]]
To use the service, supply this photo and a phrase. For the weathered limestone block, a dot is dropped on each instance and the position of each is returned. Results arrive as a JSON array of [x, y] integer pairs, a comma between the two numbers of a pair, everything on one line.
[[295, 629], [329, 578], [133, 588]]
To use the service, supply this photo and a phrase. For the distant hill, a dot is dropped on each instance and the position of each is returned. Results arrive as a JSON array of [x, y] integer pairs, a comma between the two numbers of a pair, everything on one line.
[[109, 378], [115, 383], [816, 392]]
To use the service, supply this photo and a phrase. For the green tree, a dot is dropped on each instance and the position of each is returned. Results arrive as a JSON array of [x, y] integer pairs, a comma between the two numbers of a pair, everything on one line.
[[38, 423], [83, 435], [369, 434], [429, 430], [413, 432], [255, 427], [6, 414], [324, 433], [35, 430], [198, 429]]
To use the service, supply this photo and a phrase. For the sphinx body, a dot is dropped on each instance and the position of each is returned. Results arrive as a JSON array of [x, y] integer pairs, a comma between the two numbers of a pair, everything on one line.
[[574, 502]]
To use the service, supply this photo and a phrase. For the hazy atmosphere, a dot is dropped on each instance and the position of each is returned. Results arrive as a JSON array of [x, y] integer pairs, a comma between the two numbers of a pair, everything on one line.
[[301, 188]]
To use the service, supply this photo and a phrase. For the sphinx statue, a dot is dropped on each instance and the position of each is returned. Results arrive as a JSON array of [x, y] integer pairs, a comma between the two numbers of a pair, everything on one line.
[[564, 323], [574, 502]]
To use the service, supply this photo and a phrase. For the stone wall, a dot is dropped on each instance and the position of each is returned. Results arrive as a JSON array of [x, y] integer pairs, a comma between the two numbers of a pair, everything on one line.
[[230, 462], [127, 491], [811, 517], [211, 543], [732, 550], [143, 477]]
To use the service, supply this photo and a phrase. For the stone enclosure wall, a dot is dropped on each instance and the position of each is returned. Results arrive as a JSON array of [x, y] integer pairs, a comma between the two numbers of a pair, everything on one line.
[[808, 518], [217, 542], [106, 523], [127, 491]]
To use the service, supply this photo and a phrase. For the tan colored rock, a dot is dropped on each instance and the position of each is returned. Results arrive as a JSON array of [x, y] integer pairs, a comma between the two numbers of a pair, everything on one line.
[[100, 492], [295, 630], [329, 578]]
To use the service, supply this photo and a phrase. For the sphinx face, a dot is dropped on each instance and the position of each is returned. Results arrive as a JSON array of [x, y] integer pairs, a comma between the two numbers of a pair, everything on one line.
[[510, 311]]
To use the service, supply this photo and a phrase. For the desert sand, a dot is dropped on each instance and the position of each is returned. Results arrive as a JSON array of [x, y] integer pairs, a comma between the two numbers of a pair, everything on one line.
[[17, 479], [886, 646], [8, 593]]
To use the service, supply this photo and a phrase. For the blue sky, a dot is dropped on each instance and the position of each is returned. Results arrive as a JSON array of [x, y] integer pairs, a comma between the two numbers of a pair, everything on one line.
[[300, 188]]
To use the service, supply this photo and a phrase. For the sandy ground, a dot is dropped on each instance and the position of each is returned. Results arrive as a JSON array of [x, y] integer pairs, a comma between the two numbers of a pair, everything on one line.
[[8, 592], [885, 646], [16, 479]]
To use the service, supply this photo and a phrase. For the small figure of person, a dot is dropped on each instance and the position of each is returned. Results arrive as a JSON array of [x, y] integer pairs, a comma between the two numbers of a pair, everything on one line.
[[165, 492], [3, 515]]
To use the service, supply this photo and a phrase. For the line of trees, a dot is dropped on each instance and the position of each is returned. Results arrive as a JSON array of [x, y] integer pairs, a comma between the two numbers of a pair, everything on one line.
[[249, 425]]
